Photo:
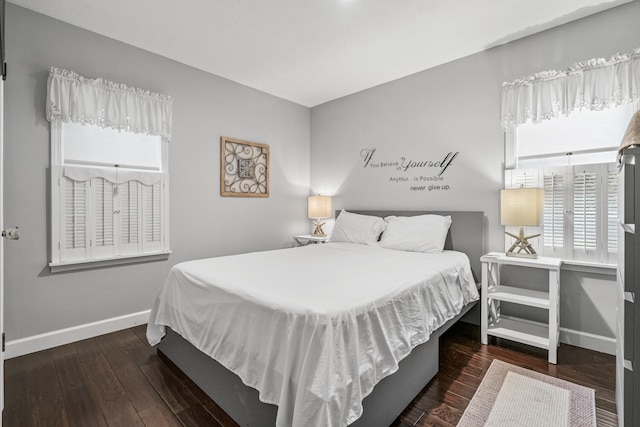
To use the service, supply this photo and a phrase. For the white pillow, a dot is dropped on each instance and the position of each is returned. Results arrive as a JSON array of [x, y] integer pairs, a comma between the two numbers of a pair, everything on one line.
[[422, 233], [356, 228]]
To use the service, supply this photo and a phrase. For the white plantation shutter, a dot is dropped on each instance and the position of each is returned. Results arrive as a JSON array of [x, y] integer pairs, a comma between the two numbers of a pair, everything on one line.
[[101, 220], [128, 217], [75, 214], [103, 196], [579, 216], [553, 212], [584, 211], [102, 215], [128, 211], [526, 181], [153, 210], [522, 178], [612, 211], [72, 226]]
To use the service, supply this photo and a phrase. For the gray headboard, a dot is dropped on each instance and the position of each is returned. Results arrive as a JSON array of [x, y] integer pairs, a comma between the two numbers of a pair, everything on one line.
[[465, 235]]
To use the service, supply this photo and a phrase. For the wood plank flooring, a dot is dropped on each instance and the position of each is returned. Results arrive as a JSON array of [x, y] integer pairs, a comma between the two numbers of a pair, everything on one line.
[[464, 362], [119, 380]]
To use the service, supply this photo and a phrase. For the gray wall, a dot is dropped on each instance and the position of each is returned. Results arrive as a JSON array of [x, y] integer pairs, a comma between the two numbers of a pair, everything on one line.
[[203, 224], [456, 108]]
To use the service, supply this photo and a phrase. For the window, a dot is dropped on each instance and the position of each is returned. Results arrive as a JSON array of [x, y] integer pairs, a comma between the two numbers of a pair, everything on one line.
[[103, 211], [579, 210], [580, 197], [97, 146], [109, 184], [585, 137], [562, 132]]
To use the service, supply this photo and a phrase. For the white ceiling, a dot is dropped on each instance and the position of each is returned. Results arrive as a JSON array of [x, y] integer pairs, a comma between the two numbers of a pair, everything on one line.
[[313, 51]]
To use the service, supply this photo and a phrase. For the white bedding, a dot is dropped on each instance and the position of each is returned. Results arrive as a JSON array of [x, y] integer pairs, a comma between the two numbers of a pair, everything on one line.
[[313, 329]]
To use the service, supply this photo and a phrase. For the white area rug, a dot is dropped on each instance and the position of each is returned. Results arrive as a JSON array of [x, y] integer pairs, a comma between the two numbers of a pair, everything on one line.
[[510, 396]]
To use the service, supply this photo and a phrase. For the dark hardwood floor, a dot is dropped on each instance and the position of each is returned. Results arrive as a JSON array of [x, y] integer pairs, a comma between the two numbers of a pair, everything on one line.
[[119, 380], [464, 361]]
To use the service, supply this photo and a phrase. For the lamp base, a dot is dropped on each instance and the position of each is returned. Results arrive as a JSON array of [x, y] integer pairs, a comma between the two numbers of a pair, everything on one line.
[[522, 248], [318, 232]]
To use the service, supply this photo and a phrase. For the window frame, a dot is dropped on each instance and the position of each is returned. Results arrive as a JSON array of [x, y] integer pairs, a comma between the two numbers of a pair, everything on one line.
[[91, 256]]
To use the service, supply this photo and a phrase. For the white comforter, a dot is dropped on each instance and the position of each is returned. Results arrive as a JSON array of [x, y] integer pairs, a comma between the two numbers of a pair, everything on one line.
[[313, 329]]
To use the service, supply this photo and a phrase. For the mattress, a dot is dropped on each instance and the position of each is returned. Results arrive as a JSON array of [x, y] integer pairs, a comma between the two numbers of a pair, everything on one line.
[[314, 328]]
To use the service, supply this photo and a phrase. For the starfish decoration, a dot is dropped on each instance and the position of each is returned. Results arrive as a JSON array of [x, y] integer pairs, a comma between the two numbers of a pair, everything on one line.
[[522, 247]]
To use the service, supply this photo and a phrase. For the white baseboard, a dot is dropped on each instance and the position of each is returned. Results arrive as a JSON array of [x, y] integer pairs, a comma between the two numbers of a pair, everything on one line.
[[52, 339], [587, 340]]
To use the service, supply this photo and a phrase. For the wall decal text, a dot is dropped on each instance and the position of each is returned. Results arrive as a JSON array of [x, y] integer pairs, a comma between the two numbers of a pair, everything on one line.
[[424, 173]]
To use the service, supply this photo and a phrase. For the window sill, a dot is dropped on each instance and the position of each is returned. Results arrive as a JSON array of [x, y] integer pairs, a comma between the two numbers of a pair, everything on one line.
[[589, 267], [59, 267]]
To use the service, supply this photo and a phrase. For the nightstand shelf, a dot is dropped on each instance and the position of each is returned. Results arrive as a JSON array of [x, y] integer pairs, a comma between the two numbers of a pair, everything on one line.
[[494, 292], [520, 296], [525, 332]]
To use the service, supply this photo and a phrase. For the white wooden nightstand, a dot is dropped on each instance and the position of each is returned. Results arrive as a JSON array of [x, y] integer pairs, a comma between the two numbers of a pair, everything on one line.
[[513, 328], [305, 239]]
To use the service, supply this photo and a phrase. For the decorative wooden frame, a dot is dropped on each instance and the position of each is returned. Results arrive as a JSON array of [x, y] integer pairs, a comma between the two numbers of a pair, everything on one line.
[[244, 168]]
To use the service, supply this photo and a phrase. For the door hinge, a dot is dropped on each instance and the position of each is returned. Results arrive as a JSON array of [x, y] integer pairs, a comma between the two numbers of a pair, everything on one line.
[[3, 348]]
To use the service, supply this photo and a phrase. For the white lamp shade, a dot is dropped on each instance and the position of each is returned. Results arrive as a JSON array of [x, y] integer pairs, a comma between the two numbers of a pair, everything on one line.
[[319, 207], [521, 206]]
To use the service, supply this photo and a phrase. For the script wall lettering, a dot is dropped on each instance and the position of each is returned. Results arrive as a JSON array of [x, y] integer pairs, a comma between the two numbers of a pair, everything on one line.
[[416, 174]]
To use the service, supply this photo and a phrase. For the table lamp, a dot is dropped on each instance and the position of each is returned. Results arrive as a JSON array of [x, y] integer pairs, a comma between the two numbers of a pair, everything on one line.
[[319, 207], [631, 137], [521, 207]]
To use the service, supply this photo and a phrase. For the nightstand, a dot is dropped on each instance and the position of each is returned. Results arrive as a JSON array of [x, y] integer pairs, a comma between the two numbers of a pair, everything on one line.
[[544, 336], [306, 239]]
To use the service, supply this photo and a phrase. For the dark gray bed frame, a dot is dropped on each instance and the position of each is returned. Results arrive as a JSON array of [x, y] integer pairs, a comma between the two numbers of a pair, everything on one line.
[[388, 398]]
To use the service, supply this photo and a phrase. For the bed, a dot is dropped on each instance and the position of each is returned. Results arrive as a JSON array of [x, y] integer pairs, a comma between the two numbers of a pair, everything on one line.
[[342, 333]]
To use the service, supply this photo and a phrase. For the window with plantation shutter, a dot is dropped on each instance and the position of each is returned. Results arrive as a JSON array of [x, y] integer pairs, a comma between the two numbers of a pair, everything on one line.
[[107, 213], [571, 131], [579, 210], [109, 172]]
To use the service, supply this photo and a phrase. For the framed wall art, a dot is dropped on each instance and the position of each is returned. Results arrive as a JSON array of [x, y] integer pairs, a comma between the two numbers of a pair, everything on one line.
[[244, 168]]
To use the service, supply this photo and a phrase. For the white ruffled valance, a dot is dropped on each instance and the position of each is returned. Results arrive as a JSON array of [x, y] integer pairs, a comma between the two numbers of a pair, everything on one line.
[[73, 98], [592, 85], [113, 175]]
